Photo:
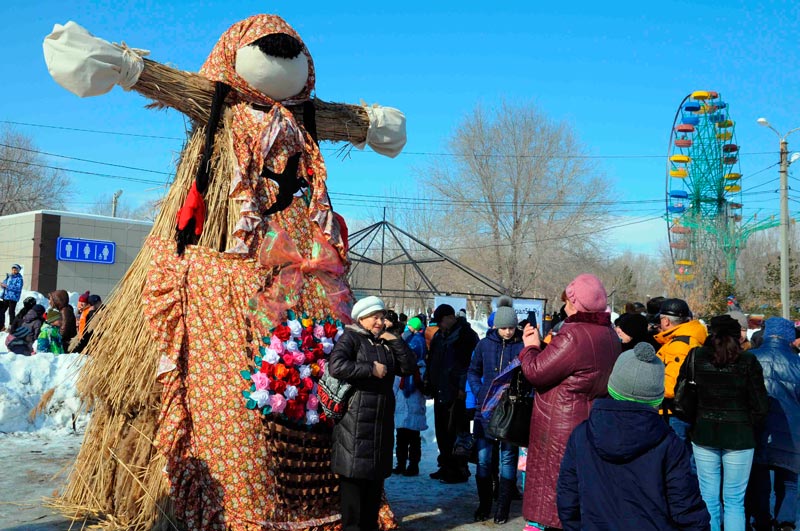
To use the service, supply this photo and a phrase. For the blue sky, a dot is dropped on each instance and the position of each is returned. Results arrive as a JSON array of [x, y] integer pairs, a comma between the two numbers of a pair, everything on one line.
[[615, 71]]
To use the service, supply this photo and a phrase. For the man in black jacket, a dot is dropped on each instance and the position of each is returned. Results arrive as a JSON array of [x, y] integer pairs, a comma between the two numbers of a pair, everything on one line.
[[445, 382]]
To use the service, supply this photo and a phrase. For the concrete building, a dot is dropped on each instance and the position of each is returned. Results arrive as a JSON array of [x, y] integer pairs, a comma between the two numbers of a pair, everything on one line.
[[74, 252]]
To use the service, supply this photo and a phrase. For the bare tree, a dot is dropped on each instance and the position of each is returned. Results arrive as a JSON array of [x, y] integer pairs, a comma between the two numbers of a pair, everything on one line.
[[522, 197], [26, 181]]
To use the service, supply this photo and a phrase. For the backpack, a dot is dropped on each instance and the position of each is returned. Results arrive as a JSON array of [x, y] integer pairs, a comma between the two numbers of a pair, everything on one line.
[[18, 337]]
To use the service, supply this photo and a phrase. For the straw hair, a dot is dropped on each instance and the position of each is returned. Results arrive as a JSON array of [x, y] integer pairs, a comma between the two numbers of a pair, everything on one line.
[[118, 474]]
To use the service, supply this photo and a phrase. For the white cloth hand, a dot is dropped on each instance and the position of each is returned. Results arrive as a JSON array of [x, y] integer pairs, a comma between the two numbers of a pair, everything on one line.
[[387, 130], [88, 66]]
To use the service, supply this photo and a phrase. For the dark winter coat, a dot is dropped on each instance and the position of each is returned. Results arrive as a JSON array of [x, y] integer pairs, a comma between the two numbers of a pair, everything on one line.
[[24, 345], [364, 438], [568, 374], [83, 340], [492, 355], [624, 468], [731, 400], [448, 360], [778, 443], [69, 328]]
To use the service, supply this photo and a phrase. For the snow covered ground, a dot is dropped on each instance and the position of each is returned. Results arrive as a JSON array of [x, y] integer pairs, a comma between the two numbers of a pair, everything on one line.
[[36, 454]]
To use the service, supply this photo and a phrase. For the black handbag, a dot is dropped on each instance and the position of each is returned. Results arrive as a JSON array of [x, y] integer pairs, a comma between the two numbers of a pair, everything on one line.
[[684, 405], [511, 419]]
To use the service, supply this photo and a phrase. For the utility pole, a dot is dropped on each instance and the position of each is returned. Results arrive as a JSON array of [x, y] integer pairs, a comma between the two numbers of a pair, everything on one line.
[[783, 172], [784, 183], [383, 248], [114, 200]]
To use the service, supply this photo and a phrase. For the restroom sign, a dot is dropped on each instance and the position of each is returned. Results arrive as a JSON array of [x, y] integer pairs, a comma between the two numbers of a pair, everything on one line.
[[91, 251]]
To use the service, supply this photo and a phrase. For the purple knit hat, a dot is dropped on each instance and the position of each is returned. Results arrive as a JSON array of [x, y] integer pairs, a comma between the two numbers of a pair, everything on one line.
[[587, 293]]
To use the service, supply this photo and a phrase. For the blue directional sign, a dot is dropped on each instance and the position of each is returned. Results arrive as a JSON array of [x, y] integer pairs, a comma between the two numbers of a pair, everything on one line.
[[80, 250]]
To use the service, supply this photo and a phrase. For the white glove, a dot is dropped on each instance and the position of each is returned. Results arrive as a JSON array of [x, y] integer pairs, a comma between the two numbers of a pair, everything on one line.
[[88, 66], [387, 130]]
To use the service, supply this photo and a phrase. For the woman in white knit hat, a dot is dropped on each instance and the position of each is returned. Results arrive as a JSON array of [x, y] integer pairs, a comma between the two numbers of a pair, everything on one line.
[[369, 358]]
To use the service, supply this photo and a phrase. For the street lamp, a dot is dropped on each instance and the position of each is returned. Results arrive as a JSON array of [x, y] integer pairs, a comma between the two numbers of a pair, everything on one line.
[[783, 173]]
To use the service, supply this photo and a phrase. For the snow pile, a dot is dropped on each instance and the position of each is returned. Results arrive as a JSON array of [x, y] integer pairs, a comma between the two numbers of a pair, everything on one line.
[[23, 381]]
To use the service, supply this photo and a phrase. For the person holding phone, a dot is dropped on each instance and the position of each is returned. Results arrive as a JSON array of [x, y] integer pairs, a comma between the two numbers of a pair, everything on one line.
[[492, 356], [567, 374]]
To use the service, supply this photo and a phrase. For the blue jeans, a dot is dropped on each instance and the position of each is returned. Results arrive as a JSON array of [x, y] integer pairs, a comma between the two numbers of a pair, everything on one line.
[[681, 429], [761, 487], [508, 459], [731, 470]]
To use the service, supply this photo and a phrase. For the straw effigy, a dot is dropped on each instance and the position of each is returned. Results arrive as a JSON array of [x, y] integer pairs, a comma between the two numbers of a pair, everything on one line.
[[118, 477]]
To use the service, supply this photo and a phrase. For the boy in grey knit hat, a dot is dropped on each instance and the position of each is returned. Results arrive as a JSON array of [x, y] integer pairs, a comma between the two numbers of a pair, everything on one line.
[[624, 468]]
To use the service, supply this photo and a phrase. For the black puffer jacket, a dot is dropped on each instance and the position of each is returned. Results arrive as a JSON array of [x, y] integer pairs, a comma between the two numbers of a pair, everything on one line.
[[364, 438]]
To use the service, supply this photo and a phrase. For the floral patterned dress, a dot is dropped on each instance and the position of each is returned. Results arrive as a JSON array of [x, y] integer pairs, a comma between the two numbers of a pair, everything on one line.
[[212, 314]]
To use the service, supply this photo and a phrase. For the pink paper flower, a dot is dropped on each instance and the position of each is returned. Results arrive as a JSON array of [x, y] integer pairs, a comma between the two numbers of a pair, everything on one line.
[[312, 402], [277, 345], [319, 331], [278, 403], [299, 358], [288, 359], [261, 381]]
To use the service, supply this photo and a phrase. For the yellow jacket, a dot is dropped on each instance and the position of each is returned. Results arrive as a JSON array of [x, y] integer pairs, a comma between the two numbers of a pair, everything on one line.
[[677, 342]]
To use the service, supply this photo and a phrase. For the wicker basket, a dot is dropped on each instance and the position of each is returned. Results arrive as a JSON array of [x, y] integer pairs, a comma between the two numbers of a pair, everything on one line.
[[302, 464]]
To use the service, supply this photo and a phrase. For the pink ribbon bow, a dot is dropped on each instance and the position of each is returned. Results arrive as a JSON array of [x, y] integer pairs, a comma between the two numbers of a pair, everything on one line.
[[324, 265]]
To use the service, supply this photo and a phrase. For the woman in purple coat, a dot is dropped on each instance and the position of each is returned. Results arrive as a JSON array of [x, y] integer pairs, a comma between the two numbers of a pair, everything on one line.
[[568, 374]]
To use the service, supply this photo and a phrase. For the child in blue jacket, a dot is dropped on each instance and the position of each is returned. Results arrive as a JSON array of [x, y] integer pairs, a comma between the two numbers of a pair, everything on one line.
[[624, 468]]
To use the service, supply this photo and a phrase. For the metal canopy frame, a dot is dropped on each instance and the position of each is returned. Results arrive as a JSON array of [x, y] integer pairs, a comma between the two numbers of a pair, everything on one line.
[[405, 258]]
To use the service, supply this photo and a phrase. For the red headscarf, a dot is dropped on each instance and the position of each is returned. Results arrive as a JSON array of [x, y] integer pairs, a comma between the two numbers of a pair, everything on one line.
[[265, 138]]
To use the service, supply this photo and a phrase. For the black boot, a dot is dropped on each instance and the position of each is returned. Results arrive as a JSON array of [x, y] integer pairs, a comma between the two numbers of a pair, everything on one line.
[[484, 509], [401, 451], [507, 487], [412, 469]]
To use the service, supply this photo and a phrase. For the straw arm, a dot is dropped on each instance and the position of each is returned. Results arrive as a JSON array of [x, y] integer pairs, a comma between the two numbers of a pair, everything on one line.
[[191, 94]]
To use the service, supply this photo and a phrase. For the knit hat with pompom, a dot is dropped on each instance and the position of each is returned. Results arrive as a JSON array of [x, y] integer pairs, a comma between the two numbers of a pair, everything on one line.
[[638, 376], [505, 316]]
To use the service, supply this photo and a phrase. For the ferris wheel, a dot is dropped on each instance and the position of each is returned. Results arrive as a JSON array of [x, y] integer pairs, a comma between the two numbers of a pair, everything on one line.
[[704, 191]]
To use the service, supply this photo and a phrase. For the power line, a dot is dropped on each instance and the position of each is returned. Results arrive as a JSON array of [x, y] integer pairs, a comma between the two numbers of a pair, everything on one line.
[[131, 179], [84, 160], [415, 153], [542, 240], [96, 131], [417, 200]]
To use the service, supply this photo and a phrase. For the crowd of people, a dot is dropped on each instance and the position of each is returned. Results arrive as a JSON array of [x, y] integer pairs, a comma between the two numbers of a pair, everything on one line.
[[33, 328], [608, 448], [610, 445]]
